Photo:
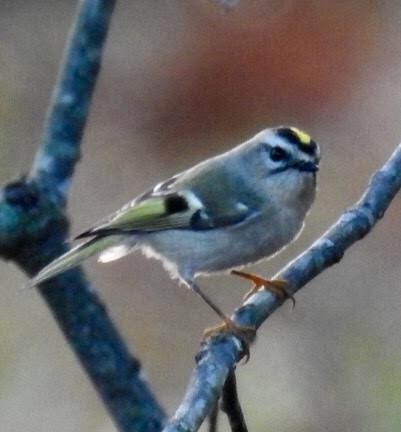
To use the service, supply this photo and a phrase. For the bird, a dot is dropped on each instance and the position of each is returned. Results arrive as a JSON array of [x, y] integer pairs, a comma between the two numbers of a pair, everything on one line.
[[224, 213]]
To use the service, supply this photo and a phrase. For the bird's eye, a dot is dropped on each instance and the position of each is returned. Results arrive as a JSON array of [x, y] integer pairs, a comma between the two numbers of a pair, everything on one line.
[[278, 154]]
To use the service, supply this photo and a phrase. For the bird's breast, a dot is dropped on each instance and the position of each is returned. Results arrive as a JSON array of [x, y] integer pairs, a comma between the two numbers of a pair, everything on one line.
[[216, 250]]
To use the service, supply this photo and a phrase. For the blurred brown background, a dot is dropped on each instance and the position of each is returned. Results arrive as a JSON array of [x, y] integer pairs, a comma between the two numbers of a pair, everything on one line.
[[184, 80]]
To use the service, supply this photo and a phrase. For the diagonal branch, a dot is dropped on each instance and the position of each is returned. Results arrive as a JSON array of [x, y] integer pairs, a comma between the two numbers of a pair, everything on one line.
[[34, 226], [217, 357]]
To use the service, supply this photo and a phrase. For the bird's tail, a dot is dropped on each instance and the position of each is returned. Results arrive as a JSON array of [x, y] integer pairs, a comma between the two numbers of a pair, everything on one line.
[[76, 256]]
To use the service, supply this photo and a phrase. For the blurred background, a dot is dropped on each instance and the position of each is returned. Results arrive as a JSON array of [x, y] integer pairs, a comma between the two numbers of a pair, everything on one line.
[[182, 81]]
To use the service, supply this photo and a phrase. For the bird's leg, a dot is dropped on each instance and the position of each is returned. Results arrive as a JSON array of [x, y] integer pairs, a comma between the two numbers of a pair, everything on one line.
[[277, 287], [245, 334]]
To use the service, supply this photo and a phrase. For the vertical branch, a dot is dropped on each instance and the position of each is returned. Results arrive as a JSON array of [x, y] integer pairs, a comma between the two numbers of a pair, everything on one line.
[[68, 112], [34, 226], [230, 404], [213, 418]]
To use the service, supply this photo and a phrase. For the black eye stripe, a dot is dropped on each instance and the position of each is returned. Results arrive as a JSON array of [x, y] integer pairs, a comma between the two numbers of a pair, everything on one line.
[[278, 154]]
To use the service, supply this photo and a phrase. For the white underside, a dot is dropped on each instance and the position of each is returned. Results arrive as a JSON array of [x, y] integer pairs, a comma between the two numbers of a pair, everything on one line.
[[114, 253]]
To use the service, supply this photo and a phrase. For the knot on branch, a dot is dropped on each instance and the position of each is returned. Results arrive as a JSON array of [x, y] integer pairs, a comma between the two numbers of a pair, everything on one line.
[[31, 223], [20, 194]]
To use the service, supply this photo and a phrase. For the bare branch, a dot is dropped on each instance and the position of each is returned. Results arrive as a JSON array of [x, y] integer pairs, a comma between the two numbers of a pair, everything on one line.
[[230, 404], [34, 226], [217, 357], [68, 112], [213, 418]]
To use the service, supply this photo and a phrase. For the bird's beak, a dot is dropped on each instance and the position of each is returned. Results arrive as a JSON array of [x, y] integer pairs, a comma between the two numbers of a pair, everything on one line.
[[307, 166]]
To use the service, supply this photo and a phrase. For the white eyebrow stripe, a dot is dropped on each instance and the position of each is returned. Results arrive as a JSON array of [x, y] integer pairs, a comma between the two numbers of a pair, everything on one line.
[[289, 148]]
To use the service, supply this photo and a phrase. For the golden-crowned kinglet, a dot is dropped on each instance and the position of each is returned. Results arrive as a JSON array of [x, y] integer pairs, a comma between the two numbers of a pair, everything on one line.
[[233, 209]]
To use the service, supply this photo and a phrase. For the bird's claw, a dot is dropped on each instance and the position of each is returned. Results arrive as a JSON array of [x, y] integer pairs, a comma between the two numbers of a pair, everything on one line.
[[244, 333], [276, 286]]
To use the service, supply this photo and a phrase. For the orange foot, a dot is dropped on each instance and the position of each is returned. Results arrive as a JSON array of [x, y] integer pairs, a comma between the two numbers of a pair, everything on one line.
[[245, 334], [277, 287]]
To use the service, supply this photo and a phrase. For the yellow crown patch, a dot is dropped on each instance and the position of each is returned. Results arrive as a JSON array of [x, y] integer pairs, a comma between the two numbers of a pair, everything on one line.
[[303, 137]]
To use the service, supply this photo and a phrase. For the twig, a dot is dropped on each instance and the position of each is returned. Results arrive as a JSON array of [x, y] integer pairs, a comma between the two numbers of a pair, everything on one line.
[[230, 404], [214, 417], [34, 226], [217, 357]]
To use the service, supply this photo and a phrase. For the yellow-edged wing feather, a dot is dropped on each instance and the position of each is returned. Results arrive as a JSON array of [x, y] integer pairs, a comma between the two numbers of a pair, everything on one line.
[[150, 214]]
